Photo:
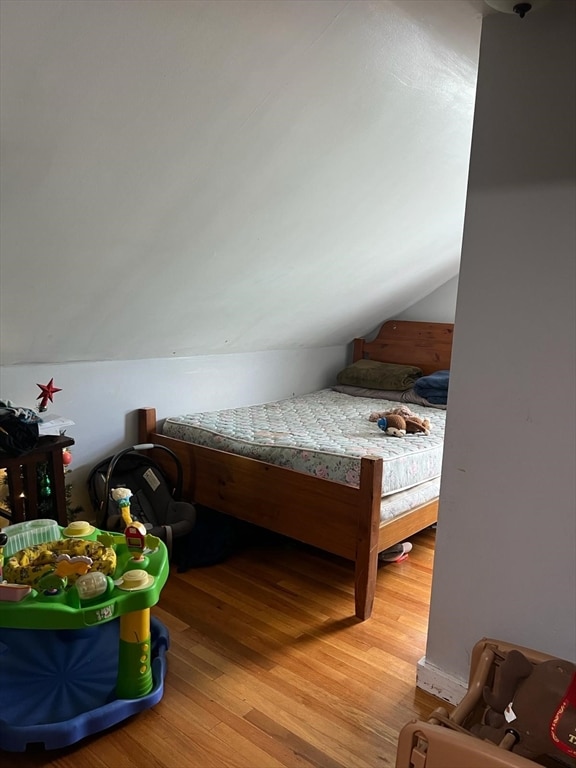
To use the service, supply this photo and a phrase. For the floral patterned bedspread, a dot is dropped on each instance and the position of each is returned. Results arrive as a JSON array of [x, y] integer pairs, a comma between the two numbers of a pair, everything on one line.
[[324, 433]]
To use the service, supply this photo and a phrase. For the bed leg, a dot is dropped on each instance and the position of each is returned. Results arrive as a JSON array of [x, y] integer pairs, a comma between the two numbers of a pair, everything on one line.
[[366, 564], [365, 585]]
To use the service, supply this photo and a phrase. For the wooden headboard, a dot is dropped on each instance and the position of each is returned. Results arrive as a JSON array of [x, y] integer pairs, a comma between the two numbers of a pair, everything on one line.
[[426, 345]]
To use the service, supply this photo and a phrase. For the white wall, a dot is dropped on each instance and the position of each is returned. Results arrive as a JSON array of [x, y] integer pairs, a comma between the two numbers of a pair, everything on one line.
[[188, 178], [437, 307], [194, 185], [101, 397], [506, 550]]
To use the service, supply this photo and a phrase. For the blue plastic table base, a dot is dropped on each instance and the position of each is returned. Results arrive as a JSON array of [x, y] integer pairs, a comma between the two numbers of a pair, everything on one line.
[[58, 686]]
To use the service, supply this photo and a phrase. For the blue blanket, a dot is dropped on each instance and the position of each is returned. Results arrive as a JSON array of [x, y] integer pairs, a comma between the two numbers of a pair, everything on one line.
[[434, 387]]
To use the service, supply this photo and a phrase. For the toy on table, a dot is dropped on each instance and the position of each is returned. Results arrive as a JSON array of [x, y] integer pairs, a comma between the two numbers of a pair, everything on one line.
[[33, 564], [66, 567], [3, 542], [138, 540], [122, 497], [135, 534], [13, 593]]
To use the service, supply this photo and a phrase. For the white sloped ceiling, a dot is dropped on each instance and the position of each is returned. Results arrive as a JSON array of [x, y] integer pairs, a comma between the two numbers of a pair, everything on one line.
[[182, 177]]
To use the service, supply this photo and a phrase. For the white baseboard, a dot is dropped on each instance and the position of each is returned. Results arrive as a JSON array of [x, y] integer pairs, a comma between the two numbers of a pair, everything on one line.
[[439, 683]]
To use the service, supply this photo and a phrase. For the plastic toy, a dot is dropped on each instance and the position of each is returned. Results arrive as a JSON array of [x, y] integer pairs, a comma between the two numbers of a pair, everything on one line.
[[122, 497], [60, 593], [3, 542]]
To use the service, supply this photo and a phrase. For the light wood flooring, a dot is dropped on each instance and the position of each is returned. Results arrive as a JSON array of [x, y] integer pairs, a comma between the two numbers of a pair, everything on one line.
[[268, 668]]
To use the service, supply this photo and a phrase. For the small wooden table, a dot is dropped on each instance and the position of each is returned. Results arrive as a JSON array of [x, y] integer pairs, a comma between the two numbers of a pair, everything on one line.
[[22, 474]]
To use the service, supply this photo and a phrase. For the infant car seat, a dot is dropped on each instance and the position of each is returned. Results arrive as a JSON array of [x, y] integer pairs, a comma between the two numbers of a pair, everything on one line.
[[153, 502]]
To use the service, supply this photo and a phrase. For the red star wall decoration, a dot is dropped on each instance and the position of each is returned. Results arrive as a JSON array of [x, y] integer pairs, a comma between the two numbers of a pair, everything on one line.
[[47, 393]]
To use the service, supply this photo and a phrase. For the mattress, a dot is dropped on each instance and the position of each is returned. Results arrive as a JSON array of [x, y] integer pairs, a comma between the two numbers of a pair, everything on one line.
[[396, 504], [324, 433]]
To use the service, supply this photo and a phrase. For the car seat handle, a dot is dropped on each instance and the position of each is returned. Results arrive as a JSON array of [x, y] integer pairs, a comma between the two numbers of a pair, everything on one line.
[[177, 491]]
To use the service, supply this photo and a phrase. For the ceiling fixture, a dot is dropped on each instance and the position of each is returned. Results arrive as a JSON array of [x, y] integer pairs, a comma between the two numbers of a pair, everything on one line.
[[513, 6], [522, 9]]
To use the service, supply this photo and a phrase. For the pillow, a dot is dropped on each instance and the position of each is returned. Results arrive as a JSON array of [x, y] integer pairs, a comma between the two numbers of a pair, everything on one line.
[[405, 396], [375, 375]]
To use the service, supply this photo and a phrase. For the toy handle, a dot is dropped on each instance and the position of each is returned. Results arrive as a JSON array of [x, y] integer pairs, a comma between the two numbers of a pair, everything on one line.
[[142, 447]]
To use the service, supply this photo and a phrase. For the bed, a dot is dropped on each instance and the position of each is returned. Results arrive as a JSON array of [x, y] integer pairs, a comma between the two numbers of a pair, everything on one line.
[[375, 502]]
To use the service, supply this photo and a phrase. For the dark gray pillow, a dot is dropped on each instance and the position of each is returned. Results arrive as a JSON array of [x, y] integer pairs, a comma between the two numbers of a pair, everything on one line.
[[374, 375]]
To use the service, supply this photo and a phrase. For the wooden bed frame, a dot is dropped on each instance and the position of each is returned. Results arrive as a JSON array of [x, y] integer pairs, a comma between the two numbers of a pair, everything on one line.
[[329, 515]]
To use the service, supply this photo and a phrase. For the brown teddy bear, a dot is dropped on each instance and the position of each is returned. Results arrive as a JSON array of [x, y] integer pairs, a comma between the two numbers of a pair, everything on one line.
[[414, 425], [392, 424], [401, 410], [400, 421], [532, 702]]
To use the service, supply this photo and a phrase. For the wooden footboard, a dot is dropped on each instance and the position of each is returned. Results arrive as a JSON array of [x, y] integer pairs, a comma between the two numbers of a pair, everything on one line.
[[332, 516]]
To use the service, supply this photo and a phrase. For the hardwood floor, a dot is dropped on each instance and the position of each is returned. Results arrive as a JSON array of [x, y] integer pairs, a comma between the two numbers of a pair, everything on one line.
[[268, 668]]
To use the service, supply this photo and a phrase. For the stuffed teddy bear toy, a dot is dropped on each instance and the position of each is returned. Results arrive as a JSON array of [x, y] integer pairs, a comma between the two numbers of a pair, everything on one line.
[[392, 424], [414, 425], [400, 421], [401, 410], [534, 703]]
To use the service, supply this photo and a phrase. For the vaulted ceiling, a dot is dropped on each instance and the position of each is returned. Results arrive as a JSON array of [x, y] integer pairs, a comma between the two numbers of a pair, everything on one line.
[[181, 177]]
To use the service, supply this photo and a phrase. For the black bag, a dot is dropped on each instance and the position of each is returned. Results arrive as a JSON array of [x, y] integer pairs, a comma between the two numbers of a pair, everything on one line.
[[18, 433], [195, 536], [215, 538]]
